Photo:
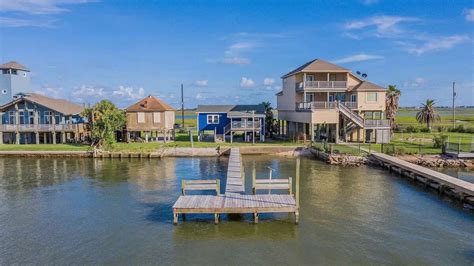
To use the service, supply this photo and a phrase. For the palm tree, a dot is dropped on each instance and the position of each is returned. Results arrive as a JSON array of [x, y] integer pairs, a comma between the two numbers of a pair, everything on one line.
[[427, 114], [269, 120], [392, 99]]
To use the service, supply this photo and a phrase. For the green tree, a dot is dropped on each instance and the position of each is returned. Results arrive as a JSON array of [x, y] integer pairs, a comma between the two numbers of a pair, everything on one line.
[[392, 99], [104, 119], [269, 120], [427, 115]]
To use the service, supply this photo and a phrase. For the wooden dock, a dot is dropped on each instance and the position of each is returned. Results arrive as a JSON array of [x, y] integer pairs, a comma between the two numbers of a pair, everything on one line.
[[235, 177], [438, 180], [235, 200]]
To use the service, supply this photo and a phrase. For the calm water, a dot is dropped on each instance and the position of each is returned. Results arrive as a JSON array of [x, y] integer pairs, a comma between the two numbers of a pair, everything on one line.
[[119, 212], [461, 173]]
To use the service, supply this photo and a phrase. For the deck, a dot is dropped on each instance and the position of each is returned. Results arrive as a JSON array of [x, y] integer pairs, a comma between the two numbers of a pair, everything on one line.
[[234, 199], [235, 182], [440, 178]]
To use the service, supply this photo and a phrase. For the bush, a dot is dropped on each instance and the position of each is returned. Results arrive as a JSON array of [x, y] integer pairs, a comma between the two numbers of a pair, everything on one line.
[[470, 130], [425, 130], [458, 128], [438, 141], [441, 128], [411, 129]]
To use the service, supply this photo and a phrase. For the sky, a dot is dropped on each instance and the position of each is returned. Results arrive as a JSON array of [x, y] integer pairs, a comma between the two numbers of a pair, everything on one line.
[[229, 52]]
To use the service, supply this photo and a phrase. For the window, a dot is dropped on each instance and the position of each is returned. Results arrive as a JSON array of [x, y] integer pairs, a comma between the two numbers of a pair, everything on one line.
[[21, 114], [371, 96], [4, 91], [309, 77], [141, 117], [368, 115], [48, 117], [156, 117], [57, 119], [31, 117], [332, 77], [11, 117], [353, 98], [331, 98], [213, 119]]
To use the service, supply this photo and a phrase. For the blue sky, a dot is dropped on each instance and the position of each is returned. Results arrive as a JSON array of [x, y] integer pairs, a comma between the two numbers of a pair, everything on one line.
[[236, 51]]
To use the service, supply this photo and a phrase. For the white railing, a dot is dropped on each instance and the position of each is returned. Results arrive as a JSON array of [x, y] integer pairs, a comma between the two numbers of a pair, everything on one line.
[[246, 124], [350, 114], [351, 105], [376, 123], [38, 127], [315, 105], [321, 84]]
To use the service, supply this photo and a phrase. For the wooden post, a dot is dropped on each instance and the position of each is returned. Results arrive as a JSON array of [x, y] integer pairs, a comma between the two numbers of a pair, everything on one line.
[[254, 178], [297, 188], [297, 198]]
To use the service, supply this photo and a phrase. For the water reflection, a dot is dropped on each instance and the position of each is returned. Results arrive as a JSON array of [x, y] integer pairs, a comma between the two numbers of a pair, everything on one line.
[[102, 211]]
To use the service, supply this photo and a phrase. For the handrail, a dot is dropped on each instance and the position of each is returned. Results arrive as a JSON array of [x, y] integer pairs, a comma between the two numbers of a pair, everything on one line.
[[348, 112], [35, 127], [322, 84], [315, 105], [376, 123]]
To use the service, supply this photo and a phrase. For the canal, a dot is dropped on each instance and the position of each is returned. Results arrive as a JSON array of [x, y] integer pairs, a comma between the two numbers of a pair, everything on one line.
[[85, 211]]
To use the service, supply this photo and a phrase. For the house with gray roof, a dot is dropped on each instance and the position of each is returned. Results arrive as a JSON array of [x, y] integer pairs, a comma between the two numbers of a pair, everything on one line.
[[226, 121]]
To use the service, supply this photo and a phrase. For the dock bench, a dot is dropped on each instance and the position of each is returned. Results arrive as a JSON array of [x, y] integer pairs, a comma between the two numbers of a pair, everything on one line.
[[210, 184], [273, 184]]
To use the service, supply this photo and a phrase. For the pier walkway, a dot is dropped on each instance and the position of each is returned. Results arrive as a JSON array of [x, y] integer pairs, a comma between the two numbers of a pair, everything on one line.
[[443, 180], [234, 199]]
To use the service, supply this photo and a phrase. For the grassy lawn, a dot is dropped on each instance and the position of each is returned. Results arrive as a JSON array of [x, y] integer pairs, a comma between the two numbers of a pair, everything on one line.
[[44, 147], [464, 116]]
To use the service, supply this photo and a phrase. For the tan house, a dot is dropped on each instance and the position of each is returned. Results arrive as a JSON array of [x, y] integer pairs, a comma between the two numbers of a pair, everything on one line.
[[150, 118], [322, 101]]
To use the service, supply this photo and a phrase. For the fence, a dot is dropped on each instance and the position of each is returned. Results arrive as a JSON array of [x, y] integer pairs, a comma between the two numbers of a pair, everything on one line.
[[458, 147]]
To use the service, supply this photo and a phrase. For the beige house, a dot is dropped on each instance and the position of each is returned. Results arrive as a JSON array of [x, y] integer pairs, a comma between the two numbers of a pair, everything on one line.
[[322, 101], [150, 118]]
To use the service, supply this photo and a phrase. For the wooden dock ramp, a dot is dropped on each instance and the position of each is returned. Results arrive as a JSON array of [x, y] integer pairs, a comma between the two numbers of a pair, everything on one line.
[[235, 200], [235, 178]]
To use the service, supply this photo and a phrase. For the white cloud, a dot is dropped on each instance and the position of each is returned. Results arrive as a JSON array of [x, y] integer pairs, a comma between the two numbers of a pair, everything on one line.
[[268, 81], [358, 58], [435, 44], [420, 80], [129, 92], [201, 83], [39, 6], [470, 15], [385, 26], [17, 23], [235, 61], [86, 92], [50, 91], [246, 82], [242, 45]]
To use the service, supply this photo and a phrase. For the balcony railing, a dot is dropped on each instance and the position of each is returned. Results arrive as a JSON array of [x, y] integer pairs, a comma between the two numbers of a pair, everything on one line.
[[321, 84], [38, 127], [376, 123], [245, 124], [315, 105], [351, 105]]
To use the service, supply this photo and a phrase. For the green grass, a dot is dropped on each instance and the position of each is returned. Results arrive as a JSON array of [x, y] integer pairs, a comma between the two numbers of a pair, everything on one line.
[[44, 147], [464, 116]]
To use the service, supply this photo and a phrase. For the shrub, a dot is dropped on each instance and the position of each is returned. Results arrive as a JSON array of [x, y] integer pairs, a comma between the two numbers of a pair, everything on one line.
[[425, 130], [438, 141], [411, 129], [441, 128], [400, 151], [458, 128], [470, 130]]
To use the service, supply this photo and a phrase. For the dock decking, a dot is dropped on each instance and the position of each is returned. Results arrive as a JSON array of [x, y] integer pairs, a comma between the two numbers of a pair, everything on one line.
[[235, 182], [235, 200], [442, 179]]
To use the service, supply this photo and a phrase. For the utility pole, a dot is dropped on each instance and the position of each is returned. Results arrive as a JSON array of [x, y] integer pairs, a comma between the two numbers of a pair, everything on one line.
[[253, 127], [454, 107], [182, 106]]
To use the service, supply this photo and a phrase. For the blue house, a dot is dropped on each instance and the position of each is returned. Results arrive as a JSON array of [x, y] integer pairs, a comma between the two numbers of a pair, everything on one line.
[[32, 118], [223, 121]]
